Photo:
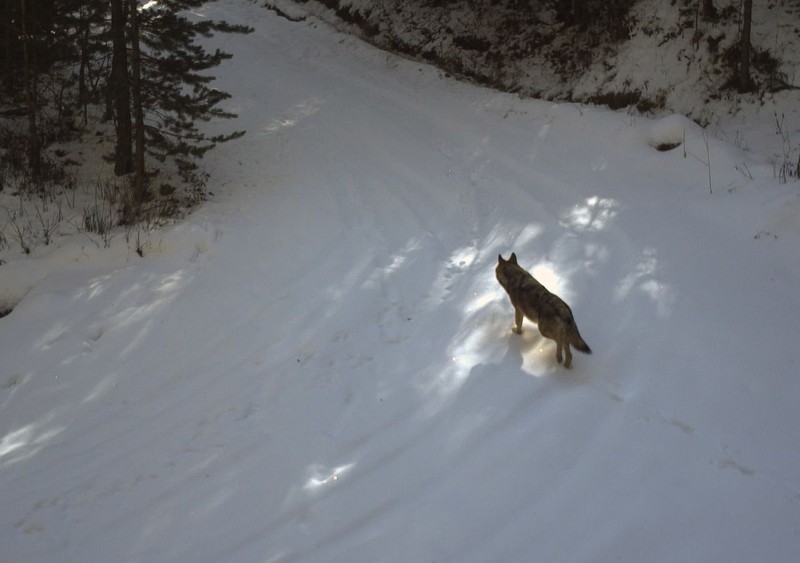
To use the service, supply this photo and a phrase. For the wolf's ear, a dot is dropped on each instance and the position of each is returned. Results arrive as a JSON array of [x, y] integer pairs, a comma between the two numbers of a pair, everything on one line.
[[500, 259], [513, 258]]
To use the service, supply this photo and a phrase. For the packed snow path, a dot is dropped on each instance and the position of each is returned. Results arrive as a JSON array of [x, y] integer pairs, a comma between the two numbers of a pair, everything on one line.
[[319, 366]]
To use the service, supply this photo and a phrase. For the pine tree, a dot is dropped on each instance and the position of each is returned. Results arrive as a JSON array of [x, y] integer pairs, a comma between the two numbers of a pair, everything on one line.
[[38, 49], [27, 36], [173, 93], [141, 59]]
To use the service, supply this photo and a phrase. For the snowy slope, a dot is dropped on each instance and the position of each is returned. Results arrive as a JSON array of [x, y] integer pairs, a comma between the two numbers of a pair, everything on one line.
[[318, 365], [662, 57]]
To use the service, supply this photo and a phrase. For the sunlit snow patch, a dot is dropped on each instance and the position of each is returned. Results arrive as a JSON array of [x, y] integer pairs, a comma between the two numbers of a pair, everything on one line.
[[594, 214], [320, 475], [24, 443]]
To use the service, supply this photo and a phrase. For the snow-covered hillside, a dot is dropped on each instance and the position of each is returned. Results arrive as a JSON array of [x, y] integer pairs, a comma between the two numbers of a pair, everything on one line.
[[653, 56], [318, 365]]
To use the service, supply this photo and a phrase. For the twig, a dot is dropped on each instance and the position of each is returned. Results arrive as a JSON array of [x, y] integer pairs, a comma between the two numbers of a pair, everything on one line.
[[19, 232], [708, 159]]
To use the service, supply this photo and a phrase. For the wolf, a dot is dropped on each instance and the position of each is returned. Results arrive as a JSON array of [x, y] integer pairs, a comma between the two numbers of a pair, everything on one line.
[[531, 299]]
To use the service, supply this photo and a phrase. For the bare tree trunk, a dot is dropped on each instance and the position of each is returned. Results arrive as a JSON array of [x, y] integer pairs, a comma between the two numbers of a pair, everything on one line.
[[745, 82], [83, 88], [139, 185], [34, 144], [123, 154], [9, 31]]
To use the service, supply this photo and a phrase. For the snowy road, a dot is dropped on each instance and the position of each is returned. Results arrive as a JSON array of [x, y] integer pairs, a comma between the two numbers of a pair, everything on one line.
[[319, 366]]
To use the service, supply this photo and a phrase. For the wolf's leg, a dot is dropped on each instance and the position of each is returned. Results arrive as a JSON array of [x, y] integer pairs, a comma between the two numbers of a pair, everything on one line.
[[517, 320], [558, 351], [568, 361]]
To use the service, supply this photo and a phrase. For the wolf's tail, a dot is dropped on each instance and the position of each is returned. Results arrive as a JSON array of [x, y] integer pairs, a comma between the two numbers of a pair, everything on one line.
[[578, 342]]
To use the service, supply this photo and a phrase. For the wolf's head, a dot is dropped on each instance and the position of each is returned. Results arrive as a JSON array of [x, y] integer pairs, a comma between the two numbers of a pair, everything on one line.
[[503, 266]]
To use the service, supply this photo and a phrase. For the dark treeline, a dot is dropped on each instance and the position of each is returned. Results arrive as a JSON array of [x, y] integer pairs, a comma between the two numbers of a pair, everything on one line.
[[136, 63]]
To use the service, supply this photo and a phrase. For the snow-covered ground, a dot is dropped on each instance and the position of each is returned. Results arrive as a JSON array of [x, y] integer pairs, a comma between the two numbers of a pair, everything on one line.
[[663, 56], [318, 364]]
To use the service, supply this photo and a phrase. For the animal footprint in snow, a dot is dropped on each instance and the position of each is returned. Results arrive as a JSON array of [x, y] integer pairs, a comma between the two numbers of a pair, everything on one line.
[[13, 381], [97, 333], [392, 323], [94, 335]]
